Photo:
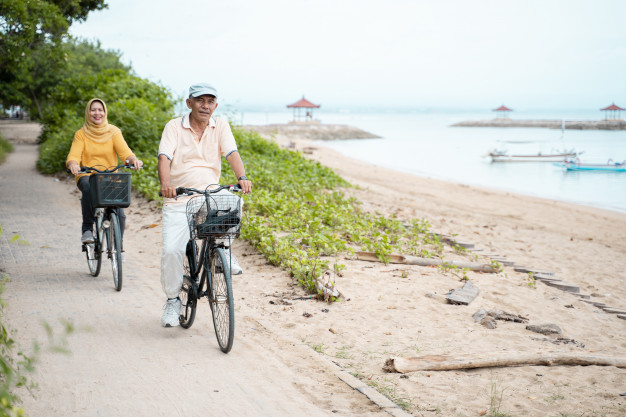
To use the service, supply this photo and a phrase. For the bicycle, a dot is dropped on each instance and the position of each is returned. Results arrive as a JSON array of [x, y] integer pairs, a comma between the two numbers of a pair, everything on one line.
[[110, 190], [212, 218]]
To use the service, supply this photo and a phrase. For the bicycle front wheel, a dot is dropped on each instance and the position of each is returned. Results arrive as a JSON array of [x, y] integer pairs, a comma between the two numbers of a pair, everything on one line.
[[188, 293], [221, 299], [114, 235], [94, 250]]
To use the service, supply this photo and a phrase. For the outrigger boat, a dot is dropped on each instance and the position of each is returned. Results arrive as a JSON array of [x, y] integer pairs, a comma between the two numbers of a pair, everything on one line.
[[610, 166], [555, 156]]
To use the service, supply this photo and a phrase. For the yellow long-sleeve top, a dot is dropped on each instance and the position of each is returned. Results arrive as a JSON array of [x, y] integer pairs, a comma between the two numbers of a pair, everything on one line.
[[100, 154]]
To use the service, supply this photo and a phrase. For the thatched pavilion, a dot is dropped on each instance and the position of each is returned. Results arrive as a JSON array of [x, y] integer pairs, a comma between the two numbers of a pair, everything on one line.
[[303, 106]]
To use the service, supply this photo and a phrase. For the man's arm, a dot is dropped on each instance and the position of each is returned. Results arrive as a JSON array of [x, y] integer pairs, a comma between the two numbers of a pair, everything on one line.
[[234, 159], [167, 190]]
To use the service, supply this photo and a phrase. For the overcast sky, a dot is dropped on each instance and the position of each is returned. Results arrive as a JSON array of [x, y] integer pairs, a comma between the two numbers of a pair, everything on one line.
[[531, 54]]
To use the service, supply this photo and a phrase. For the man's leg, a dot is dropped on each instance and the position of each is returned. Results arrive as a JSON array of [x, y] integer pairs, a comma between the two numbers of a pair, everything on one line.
[[175, 238], [235, 268]]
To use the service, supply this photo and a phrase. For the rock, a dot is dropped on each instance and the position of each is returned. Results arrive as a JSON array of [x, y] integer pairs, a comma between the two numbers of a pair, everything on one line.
[[544, 328], [489, 322], [479, 315]]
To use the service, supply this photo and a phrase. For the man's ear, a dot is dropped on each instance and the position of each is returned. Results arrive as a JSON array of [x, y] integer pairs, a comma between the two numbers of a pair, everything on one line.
[[188, 101]]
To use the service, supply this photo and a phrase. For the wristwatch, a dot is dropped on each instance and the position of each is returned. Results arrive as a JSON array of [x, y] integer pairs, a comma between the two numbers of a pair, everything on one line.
[[242, 178]]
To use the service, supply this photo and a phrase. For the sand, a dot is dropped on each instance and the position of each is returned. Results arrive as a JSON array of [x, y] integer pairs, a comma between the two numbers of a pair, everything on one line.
[[392, 311]]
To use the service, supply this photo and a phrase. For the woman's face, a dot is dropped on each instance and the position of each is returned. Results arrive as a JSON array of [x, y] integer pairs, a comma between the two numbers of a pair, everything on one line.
[[96, 112]]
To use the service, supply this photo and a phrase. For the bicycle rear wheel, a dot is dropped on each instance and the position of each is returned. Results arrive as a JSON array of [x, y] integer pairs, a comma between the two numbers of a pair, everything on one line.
[[221, 299], [188, 293], [94, 250], [114, 235]]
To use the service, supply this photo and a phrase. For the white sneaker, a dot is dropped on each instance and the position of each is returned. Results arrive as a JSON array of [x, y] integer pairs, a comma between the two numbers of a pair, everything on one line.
[[171, 315], [87, 237], [235, 269]]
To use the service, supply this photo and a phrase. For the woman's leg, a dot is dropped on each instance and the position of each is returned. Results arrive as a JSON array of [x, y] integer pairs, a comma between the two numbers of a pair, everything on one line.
[[122, 216], [85, 204]]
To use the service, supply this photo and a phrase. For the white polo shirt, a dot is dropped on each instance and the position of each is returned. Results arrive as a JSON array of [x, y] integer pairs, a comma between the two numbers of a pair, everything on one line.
[[195, 164]]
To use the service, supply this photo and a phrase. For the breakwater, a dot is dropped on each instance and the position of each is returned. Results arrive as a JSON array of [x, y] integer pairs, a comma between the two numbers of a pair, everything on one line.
[[312, 131], [551, 124]]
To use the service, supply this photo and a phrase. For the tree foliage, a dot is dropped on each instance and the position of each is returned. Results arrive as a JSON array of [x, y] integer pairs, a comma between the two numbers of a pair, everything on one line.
[[31, 45]]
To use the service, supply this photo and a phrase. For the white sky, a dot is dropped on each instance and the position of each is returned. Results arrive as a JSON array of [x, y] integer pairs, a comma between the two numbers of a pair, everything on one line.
[[530, 54]]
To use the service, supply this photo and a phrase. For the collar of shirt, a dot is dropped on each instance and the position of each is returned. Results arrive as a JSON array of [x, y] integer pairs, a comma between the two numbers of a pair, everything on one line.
[[187, 125]]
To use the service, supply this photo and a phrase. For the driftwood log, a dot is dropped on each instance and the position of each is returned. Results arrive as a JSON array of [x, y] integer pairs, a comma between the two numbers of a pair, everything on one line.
[[487, 360], [414, 260]]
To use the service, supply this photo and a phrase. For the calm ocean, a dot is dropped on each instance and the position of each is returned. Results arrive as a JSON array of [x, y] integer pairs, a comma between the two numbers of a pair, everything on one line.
[[424, 143]]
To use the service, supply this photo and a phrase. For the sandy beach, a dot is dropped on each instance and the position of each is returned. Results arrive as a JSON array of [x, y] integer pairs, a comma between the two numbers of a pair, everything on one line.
[[389, 315], [400, 311]]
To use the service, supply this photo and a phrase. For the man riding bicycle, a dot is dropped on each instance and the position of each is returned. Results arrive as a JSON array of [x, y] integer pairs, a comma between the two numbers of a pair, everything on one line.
[[190, 154]]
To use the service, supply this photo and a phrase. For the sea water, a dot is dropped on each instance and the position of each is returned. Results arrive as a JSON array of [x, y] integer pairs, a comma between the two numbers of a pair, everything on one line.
[[425, 143]]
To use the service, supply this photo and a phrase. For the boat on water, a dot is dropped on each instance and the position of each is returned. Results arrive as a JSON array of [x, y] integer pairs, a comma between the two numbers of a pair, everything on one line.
[[553, 156], [609, 166]]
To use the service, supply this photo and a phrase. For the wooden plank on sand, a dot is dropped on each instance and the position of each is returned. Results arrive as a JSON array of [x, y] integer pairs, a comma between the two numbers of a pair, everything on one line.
[[563, 286], [464, 295], [487, 360], [414, 260]]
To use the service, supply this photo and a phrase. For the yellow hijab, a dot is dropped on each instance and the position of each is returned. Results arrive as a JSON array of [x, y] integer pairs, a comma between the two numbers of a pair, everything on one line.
[[103, 132]]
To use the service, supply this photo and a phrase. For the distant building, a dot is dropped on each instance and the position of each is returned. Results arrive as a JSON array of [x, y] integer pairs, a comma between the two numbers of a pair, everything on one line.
[[502, 112], [303, 111], [612, 112]]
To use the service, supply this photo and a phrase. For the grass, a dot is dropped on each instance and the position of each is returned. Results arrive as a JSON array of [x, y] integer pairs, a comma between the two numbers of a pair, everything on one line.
[[5, 148]]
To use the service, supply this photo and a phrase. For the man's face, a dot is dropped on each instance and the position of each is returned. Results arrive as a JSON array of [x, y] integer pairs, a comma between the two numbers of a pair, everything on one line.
[[202, 107]]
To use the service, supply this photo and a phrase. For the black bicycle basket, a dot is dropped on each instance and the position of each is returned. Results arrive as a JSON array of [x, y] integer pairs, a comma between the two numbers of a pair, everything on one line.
[[110, 189], [214, 216]]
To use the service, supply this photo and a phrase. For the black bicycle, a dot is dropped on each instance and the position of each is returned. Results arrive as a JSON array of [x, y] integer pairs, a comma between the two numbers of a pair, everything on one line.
[[214, 221], [110, 190]]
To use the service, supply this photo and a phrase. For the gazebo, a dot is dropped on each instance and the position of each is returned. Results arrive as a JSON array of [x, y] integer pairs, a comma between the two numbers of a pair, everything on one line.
[[300, 106], [503, 111], [612, 112]]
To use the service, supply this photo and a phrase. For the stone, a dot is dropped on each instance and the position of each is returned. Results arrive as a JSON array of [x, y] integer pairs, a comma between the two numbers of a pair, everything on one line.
[[544, 328]]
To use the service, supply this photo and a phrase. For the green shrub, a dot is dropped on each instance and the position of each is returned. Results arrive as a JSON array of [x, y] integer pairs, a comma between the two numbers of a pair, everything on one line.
[[5, 148]]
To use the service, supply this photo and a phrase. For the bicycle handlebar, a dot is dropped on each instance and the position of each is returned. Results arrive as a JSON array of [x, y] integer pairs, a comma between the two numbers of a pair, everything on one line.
[[87, 170], [190, 191]]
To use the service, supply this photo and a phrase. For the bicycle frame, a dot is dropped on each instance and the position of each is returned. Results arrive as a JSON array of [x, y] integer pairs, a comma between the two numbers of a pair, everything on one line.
[[195, 271]]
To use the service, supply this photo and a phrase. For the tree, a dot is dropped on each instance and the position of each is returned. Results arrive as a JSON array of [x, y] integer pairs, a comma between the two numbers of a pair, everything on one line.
[[31, 33]]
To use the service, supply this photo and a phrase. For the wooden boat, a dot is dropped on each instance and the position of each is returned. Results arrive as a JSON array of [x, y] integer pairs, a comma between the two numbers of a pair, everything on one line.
[[610, 166], [556, 156]]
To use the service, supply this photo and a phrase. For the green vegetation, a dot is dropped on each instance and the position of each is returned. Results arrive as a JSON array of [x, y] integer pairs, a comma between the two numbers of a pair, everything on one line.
[[32, 37], [14, 368], [495, 402], [5, 148]]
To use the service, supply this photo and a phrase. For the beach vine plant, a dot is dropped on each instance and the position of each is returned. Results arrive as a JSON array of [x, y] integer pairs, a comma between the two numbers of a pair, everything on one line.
[[299, 218]]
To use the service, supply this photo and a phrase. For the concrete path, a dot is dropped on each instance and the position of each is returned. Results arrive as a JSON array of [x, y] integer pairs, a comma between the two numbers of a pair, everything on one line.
[[121, 362]]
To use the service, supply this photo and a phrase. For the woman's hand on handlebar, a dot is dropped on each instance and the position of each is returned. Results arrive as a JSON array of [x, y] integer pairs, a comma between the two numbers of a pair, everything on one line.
[[134, 163], [73, 167]]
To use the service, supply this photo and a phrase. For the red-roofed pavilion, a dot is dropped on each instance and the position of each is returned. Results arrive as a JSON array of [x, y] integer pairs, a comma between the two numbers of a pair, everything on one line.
[[613, 111], [303, 105], [503, 111]]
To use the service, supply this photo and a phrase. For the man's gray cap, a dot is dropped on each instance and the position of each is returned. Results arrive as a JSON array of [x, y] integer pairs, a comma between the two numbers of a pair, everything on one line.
[[201, 89]]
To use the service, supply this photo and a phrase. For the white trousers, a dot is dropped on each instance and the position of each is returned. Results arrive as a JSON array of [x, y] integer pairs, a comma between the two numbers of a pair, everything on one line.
[[175, 237]]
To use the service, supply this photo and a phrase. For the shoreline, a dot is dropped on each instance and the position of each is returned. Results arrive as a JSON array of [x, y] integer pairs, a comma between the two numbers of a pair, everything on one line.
[[551, 124]]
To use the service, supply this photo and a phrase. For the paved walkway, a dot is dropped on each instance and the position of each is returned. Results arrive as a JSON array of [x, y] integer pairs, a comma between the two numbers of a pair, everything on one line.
[[122, 363]]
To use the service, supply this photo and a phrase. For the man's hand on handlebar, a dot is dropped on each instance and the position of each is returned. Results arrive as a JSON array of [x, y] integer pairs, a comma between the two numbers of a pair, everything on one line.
[[169, 192], [246, 186]]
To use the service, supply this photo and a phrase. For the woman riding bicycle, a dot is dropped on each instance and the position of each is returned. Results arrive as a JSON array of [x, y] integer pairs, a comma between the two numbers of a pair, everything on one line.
[[97, 143]]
